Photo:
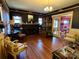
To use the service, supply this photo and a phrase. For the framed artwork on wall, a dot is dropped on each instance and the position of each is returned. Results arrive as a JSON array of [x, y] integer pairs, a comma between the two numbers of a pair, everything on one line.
[[30, 18]]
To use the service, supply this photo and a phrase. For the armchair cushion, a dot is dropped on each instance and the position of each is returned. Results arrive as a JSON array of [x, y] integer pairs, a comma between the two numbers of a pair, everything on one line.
[[70, 37], [13, 47]]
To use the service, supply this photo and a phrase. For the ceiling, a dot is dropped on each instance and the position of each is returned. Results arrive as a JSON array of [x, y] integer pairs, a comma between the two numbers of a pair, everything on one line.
[[39, 5]]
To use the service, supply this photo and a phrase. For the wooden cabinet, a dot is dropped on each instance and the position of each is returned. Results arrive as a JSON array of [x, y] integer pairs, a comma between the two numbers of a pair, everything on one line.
[[29, 29]]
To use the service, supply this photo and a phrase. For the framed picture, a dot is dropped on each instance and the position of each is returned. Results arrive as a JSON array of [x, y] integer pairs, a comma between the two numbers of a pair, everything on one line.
[[30, 18]]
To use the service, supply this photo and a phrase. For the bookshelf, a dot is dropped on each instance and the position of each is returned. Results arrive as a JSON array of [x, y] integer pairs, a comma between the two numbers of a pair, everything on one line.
[[47, 26]]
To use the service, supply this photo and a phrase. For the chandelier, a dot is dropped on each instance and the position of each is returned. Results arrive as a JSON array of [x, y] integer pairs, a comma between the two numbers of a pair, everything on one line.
[[48, 8]]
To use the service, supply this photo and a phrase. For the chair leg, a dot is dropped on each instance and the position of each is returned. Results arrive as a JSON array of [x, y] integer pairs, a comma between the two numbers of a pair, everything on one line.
[[15, 57]]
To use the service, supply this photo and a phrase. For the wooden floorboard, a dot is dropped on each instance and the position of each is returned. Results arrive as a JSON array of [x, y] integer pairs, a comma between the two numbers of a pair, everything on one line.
[[40, 47]]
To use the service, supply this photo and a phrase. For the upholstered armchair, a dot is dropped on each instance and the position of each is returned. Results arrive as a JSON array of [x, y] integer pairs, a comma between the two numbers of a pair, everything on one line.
[[70, 37], [13, 47], [2, 50]]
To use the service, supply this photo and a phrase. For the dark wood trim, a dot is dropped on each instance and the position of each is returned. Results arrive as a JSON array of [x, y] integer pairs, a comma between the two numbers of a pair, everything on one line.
[[25, 11], [6, 3], [62, 10], [0, 1], [65, 9]]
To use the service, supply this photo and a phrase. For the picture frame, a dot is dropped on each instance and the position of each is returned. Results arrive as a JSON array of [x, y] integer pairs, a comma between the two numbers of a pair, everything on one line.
[[30, 18]]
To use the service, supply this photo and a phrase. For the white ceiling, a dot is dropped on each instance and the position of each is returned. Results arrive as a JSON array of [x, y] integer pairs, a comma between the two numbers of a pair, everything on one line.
[[38, 5]]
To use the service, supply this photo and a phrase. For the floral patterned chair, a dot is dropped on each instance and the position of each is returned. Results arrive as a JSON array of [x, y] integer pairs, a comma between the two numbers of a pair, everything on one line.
[[13, 47]]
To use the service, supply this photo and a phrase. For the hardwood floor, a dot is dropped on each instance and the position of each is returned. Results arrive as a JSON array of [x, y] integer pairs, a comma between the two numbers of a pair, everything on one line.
[[40, 47]]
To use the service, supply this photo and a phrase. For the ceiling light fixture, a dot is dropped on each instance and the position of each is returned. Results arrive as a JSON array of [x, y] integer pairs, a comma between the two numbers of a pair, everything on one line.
[[48, 8]]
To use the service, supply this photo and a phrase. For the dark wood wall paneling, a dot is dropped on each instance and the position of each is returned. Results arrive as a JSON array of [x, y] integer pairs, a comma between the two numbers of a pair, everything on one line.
[[0, 1], [74, 8], [24, 15], [63, 10], [75, 22], [27, 29]]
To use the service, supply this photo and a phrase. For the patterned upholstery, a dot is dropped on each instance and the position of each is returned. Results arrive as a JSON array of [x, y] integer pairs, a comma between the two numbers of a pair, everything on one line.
[[13, 47], [70, 37]]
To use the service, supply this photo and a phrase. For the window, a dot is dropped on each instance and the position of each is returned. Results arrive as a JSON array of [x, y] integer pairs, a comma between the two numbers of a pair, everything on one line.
[[55, 23], [40, 21], [17, 19], [66, 21]]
